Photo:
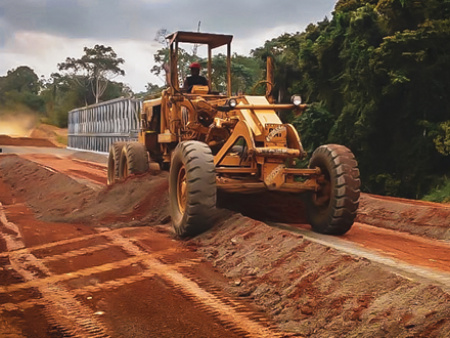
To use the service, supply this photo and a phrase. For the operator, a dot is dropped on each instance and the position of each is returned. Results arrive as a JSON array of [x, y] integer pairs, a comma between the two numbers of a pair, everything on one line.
[[195, 78]]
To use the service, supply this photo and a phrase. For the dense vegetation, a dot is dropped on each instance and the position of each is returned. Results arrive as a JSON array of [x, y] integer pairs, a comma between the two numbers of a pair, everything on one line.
[[377, 76]]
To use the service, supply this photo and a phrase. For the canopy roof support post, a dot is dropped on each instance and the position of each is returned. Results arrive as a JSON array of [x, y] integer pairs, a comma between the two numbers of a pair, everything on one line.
[[229, 69]]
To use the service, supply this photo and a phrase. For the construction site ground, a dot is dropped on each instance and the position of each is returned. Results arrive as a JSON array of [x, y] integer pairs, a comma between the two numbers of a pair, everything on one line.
[[79, 258]]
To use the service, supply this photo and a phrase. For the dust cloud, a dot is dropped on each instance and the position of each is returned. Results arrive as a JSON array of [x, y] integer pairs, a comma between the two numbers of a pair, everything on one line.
[[17, 124]]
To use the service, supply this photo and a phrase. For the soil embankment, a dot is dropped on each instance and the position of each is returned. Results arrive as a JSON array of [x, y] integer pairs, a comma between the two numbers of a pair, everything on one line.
[[305, 287], [6, 140]]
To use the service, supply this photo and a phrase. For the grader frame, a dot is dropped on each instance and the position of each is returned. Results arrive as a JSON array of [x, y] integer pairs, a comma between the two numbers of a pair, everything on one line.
[[235, 143]]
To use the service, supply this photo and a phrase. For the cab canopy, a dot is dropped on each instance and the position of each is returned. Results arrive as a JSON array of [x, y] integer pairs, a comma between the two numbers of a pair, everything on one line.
[[211, 40]]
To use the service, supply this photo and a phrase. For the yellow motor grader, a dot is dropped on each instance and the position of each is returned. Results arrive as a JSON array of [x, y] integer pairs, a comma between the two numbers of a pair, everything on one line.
[[235, 143]]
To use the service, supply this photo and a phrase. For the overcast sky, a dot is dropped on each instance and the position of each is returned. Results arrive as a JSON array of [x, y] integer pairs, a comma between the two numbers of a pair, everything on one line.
[[42, 33]]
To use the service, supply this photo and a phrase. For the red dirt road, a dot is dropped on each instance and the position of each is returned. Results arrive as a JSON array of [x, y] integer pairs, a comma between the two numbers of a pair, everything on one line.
[[69, 268], [408, 243], [25, 141], [412, 249], [403, 246], [73, 280]]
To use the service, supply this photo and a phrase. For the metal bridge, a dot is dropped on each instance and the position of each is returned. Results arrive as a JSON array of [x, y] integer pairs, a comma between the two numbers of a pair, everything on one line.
[[95, 127]]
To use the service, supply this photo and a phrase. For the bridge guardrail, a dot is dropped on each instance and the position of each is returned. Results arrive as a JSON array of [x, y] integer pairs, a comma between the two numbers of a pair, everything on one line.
[[95, 127]]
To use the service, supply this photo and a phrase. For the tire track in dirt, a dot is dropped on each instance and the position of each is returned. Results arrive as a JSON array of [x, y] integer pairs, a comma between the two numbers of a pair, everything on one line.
[[11, 233], [59, 304], [226, 313], [65, 311]]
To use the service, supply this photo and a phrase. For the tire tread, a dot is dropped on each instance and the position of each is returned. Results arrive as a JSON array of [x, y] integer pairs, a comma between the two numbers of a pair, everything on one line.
[[201, 188], [342, 167]]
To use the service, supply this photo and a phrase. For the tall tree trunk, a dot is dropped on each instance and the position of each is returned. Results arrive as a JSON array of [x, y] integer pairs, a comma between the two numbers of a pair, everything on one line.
[[97, 89]]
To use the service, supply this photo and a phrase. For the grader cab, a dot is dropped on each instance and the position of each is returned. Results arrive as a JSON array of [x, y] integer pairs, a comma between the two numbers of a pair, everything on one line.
[[236, 143]]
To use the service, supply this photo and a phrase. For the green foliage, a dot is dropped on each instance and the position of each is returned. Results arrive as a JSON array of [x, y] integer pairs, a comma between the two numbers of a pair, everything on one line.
[[62, 139], [284, 50], [20, 87], [63, 93], [441, 192], [83, 82], [314, 125], [387, 183], [442, 140], [351, 5], [244, 72], [22, 80], [380, 70], [161, 59], [152, 91]]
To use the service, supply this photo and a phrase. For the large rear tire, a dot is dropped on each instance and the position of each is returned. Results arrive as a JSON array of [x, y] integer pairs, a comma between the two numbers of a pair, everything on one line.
[[115, 150], [192, 188], [133, 160], [332, 209]]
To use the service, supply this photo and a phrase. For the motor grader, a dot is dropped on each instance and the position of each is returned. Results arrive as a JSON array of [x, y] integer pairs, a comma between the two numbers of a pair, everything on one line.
[[235, 143]]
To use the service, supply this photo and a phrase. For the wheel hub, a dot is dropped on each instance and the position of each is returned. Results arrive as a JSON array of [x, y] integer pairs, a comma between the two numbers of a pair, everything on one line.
[[323, 195], [125, 172], [182, 189]]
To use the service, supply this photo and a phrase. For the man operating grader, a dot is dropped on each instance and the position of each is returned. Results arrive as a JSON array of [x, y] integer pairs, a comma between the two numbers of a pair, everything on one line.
[[195, 78]]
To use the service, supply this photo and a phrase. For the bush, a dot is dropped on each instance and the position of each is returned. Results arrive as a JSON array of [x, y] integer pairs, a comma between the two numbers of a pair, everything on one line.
[[440, 193]]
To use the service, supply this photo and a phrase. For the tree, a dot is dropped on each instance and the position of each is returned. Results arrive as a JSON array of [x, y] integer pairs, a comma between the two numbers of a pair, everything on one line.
[[244, 73], [442, 140], [162, 56], [62, 94], [285, 50], [379, 72], [22, 79], [97, 65], [21, 86]]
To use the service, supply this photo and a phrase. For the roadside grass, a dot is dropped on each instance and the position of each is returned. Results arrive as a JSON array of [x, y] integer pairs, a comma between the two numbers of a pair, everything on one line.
[[61, 139], [441, 193]]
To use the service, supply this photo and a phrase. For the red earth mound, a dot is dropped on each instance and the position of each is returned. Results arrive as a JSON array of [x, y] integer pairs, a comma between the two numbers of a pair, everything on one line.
[[307, 288], [6, 140]]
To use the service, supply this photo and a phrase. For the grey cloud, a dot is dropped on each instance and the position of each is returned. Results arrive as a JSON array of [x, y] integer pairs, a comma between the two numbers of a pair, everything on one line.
[[117, 22], [139, 19]]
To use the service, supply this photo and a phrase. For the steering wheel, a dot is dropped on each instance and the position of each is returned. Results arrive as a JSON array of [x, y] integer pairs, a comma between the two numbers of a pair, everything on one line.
[[268, 90]]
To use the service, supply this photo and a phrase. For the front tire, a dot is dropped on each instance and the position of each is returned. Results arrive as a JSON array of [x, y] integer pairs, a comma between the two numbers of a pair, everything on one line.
[[192, 188], [133, 160], [115, 150], [332, 209]]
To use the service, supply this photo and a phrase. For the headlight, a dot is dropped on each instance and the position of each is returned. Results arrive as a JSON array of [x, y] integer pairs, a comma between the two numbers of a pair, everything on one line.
[[232, 103], [296, 100]]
